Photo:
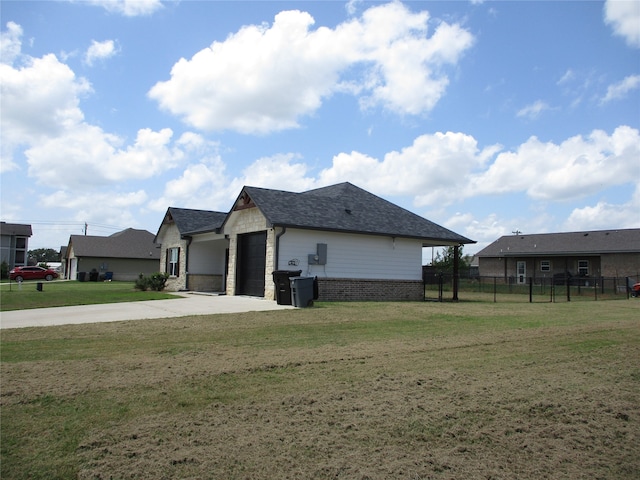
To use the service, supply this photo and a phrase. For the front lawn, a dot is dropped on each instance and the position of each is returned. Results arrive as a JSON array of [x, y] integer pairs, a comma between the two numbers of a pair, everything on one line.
[[14, 296], [415, 390]]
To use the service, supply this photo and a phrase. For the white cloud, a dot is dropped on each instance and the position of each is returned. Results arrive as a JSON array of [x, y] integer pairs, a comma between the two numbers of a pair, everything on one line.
[[265, 78], [352, 6], [85, 156], [10, 43], [620, 90], [41, 112], [534, 110], [100, 51], [604, 215], [39, 99], [208, 185], [432, 170], [200, 186], [129, 8], [624, 17], [568, 76], [280, 172], [105, 208], [445, 168], [575, 168]]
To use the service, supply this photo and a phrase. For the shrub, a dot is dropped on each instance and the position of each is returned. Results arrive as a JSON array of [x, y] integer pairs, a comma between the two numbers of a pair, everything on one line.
[[4, 270], [156, 281]]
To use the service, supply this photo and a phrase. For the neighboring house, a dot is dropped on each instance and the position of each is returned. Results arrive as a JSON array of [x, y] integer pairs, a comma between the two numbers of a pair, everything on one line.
[[125, 255], [14, 243], [360, 246], [63, 263], [602, 253], [192, 251]]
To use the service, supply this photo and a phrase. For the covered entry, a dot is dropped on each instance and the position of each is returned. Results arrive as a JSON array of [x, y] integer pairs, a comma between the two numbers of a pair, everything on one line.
[[251, 264]]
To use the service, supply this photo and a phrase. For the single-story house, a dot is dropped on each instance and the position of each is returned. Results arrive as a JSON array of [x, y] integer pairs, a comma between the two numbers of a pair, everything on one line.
[[14, 243], [193, 252], [122, 256], [601, 253], [358, 245]]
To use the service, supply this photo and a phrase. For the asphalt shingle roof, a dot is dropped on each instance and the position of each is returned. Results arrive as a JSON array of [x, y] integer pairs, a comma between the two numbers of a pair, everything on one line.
[[129, 243], [346, 208], [190, 221], [18, 229], [587, 242]]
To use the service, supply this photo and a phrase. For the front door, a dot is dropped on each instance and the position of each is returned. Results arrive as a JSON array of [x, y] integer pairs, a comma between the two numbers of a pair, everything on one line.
[[521, 268], [250, 270]]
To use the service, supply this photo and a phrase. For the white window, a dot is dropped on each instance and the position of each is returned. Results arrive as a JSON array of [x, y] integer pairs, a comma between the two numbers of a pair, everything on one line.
[[583, 268], [545, 265], [173, 261]]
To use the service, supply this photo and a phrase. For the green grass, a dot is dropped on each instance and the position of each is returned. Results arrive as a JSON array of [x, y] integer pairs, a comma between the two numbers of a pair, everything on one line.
[[14, 296], [77, 397]]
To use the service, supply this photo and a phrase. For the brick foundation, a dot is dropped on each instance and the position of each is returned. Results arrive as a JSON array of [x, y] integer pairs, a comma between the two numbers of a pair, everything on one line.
[[355, 289]]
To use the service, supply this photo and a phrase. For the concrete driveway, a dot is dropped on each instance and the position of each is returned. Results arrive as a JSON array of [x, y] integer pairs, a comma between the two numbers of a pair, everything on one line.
[[186, 304]]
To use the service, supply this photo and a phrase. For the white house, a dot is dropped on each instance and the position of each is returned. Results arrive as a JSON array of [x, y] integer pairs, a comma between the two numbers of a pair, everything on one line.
[[358, 245]]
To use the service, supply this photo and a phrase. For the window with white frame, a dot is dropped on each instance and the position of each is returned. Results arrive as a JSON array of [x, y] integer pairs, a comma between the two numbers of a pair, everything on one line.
[[545, 265], [173, 261], [583, 268]]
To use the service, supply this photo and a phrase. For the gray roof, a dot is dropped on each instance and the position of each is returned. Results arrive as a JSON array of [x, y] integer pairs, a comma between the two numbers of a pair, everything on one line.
[[346, 208], [571, 243], [190, 221], [15, 229], [129, 243]]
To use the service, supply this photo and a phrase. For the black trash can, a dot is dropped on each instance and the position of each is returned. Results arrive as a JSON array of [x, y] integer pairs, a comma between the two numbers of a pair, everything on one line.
[[94, 275], [283, 285], [39, 286], [302, 291], [82, 276]]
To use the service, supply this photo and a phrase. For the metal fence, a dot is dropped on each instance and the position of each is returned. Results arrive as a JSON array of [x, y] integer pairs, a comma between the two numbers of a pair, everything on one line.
[[440, 287]]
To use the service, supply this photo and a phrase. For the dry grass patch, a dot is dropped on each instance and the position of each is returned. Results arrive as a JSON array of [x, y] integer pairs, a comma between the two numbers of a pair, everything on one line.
[[362, 390]]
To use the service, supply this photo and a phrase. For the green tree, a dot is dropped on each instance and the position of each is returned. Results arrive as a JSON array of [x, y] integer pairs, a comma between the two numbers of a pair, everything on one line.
[[444, 262], [44, 255]]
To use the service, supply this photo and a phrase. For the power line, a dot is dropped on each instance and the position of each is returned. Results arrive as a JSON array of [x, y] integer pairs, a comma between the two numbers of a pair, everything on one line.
[[82, 225]]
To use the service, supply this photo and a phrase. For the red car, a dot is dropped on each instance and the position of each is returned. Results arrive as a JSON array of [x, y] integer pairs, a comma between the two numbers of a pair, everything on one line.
[[635, 290], [32, 273]]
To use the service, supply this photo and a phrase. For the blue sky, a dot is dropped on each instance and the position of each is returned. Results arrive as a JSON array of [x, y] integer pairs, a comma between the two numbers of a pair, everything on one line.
[[484, 117]]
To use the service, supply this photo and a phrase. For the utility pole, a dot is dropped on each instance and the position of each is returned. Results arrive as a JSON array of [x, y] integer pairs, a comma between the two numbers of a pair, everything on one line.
[[85, 228]]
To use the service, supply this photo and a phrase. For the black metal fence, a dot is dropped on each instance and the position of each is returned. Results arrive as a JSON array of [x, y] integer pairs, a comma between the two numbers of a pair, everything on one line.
[[440, 287]]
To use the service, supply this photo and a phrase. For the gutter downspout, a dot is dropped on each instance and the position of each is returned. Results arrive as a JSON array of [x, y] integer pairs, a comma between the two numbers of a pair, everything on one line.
[[284, 229]]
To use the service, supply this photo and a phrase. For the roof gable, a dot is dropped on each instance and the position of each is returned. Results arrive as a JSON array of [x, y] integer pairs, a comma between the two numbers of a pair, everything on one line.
[[344, 208], [189, 221], [570, 243]]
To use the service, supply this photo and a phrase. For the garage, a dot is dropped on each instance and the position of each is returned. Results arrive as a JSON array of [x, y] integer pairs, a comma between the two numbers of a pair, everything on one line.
[[251, 263]]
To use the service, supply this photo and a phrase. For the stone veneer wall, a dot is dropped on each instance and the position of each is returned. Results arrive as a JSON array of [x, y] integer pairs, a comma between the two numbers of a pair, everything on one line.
[[205, 283], [250, 220], [357, 289], [171, 239]]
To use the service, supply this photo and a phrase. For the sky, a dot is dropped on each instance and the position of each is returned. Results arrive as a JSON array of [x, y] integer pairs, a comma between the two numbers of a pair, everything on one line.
[[485, 117]]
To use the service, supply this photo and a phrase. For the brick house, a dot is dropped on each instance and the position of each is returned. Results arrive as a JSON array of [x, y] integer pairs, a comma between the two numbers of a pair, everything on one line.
[[601, 253], [358, 245]]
